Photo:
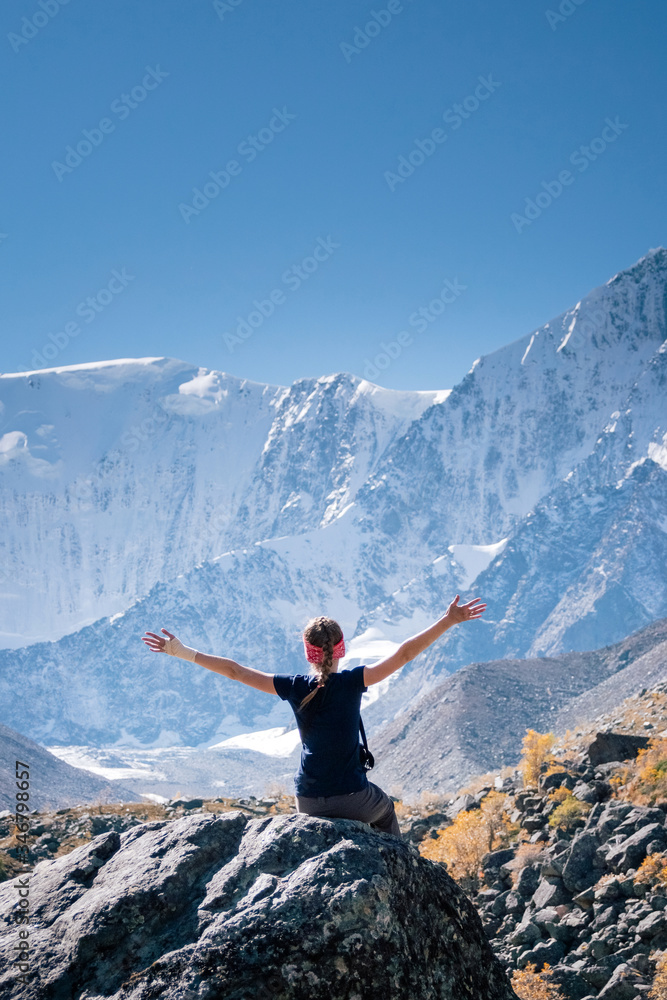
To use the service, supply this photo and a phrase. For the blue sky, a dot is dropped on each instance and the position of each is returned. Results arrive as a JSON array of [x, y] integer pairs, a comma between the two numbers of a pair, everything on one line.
[[310, 236]]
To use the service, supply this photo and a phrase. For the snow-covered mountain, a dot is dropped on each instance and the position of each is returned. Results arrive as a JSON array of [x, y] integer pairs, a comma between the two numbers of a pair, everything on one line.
[[149, 493], [121, 474]]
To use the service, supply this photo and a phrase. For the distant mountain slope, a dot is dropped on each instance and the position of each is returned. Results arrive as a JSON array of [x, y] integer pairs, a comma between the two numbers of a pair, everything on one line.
[[474, 721], [53, 783]]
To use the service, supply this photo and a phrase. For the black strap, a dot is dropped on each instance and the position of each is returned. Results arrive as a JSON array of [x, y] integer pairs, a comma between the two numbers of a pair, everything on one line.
[[366, 757]]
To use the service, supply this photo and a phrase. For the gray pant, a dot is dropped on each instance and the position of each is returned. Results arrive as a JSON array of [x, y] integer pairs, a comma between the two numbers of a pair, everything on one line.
[[371, 805]]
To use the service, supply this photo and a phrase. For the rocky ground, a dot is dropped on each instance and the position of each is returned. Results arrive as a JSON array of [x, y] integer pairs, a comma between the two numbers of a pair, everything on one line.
[[577, 895], [580, 896]]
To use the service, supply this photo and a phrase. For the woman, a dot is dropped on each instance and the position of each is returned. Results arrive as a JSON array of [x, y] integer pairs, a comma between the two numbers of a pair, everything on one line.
[[331, 780]]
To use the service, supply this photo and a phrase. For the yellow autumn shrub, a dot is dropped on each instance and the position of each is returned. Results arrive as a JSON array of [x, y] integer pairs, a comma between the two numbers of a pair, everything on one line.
[[529, 984], [559, 794], [462, 845], [658, 989], [653, 870], [535, 752], [650, 783]]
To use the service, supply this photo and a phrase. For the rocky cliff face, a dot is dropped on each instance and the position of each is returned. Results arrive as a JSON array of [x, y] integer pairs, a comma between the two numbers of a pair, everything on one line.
[[206, 906]]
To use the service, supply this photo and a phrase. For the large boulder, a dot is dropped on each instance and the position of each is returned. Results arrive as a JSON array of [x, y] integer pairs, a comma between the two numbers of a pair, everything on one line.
[[607, 747], [631, 852], [217, 907], [582, 868]]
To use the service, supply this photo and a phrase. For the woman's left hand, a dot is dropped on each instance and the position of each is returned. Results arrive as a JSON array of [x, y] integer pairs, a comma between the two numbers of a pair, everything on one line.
[[465, 612]]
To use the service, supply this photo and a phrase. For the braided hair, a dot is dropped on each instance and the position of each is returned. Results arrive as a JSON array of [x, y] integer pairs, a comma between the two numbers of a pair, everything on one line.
[[325, 633]]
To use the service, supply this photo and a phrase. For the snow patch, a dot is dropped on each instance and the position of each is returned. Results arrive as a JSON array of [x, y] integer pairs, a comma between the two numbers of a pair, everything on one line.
[[81, 758], [569, 330], [279, 742], [525, 353], [205, 385], [87, 366], [474, 559], [658, 452]]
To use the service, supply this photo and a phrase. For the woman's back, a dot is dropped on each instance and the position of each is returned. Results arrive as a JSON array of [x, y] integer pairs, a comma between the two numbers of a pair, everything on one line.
[[329, 730]]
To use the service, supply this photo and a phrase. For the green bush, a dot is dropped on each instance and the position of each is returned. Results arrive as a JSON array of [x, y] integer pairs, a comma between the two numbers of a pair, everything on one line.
[[568, 813]]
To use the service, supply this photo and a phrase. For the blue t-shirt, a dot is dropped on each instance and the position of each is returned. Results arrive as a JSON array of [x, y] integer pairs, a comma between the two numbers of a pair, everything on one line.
[[329, 730]]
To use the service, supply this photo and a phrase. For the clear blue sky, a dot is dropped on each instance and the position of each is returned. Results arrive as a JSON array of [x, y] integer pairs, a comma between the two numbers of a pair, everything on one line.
[[347, 113]]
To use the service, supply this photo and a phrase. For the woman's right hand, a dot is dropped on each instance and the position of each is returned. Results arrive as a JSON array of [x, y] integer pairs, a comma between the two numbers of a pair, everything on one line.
[[171, 645], [157, 642]]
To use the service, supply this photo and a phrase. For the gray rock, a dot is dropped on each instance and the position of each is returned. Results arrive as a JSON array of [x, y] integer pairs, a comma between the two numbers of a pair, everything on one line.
[[607, 747], [498, 905], [597, 975], [550, 951], [595, 791], [572, 986], [494, 860], [631, 852], [622, 985], [549, 915], [515, 903], [611, 818], [608, 892], [462, 804], [550, 892], [526, 933], [551, 868], [652, 925], [605, 918], [527, 881], [212, 905], [555, 780], [581, 869], [585, 899], [532, 822]]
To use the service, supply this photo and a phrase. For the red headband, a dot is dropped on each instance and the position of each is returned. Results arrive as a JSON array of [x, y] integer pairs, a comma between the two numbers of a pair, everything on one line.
[[315, 654]]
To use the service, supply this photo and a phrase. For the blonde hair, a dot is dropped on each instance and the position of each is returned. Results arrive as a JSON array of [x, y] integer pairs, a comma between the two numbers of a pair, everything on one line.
[[325, 633]]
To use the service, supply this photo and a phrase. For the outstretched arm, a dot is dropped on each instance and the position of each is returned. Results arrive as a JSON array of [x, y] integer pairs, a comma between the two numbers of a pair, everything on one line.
[[220, 664], [418, 643]]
